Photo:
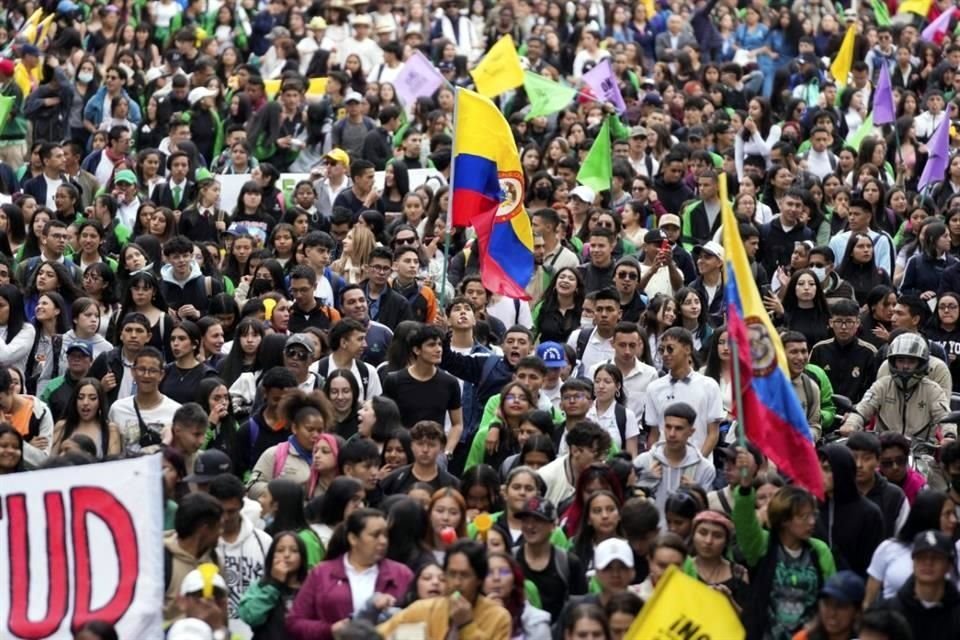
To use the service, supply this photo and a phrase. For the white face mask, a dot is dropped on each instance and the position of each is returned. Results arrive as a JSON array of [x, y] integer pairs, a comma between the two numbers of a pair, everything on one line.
[[85, 76], [820, 272], [586, 322]]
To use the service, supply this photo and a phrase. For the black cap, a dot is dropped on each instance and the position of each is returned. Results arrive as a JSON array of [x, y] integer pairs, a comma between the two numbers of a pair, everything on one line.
[[210, 464], [933, 541], [539, 508]]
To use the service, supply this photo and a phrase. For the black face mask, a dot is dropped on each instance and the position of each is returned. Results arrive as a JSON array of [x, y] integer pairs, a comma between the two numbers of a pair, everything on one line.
[[955, 482], [543, 193], [260, 286]]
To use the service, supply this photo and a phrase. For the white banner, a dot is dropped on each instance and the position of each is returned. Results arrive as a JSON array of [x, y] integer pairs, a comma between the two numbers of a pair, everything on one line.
[[79, 544]]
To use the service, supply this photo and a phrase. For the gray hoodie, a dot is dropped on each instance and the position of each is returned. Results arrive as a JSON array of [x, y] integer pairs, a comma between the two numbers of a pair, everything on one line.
[[659, 478], [98, 342]]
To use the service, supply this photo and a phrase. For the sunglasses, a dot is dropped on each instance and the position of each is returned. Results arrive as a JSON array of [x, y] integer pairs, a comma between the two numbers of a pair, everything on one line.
[[296, 354], [405, 241], [627, 275], [889, 463], [667, 348]]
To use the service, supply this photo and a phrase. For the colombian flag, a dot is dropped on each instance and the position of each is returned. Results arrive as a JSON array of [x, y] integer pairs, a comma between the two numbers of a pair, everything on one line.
[[771, 413], [488, 192]]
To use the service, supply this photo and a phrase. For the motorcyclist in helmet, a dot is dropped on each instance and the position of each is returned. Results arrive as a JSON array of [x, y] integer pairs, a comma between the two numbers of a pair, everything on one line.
[[906, 401]]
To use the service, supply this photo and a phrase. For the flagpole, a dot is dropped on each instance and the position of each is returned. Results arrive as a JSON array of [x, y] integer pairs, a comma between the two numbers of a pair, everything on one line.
[[449, 225], [738, 398]]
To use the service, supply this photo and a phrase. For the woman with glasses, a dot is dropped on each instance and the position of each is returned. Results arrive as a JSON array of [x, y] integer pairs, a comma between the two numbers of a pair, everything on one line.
[[558, 313], [514, 401], [944, 329]]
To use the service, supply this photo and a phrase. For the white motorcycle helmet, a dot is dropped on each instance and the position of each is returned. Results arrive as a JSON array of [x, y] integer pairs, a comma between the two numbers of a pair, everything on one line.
[[909, 345]]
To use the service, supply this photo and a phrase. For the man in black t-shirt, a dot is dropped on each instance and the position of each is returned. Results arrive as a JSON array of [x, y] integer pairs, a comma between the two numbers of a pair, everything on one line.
[[423, 391], [428, 441], [558, 574]]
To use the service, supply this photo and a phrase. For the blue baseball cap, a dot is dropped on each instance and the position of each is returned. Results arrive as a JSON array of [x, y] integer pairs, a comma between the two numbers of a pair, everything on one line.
[[552, 354], [83, 346]]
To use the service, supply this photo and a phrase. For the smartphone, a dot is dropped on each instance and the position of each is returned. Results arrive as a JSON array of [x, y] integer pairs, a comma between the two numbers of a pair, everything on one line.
[[665, 245]]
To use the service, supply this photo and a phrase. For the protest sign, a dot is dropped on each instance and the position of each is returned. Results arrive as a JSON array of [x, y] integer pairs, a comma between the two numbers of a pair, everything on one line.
[[79, 544]]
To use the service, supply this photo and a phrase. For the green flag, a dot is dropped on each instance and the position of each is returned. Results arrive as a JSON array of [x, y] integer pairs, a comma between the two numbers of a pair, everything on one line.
[[880, 13], [596, 171], [6, 106], [546, 96], [854, 139]]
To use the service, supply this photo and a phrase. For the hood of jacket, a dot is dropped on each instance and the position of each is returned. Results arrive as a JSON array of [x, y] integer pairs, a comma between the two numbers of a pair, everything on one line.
[[172, 544], [691, 458], [166, 272], [246, 543], [844, 473]]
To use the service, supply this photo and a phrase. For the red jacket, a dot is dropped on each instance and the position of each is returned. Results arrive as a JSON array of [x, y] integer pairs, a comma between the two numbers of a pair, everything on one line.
[[325, 598]]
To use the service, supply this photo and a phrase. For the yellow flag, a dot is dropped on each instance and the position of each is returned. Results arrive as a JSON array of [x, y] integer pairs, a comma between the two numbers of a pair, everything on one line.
[[500, 70], [668, 615], [317, 88], [44, 27], [271, 88], [840, 68], [919, 7]]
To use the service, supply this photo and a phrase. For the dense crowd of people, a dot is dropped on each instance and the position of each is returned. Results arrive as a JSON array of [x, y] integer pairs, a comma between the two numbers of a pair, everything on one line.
[[360, 439]]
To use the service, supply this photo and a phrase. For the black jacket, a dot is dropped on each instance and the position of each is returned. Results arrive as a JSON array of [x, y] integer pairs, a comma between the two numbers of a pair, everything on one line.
[[889, 499], [672, 195], [849, 366], [393, 310], [939, 623], [109, 362], [850, 524], [596, 278], [776, 244]]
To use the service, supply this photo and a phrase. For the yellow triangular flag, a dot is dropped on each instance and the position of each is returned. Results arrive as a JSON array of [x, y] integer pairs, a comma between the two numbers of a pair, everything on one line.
[[919, 7], [840, 68], [43, 28], [33, 19], [684, 607], [317, 88], [500, 70]]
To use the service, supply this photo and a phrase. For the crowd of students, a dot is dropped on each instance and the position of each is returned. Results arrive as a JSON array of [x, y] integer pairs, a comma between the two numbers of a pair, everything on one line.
[[359, 439]]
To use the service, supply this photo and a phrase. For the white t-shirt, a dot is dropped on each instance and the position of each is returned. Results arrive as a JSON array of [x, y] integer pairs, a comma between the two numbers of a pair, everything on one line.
[[892, 564], [52, 186], [158, 420], [700, 392]]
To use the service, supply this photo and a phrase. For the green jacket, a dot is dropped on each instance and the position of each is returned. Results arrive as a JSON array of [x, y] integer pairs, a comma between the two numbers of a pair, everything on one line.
[[315, 550], [828, 410], [258, 601], [478, 447], [754, 539]]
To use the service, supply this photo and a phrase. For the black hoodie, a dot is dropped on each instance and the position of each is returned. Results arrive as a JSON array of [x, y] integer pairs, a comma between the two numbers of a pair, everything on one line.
[[849, 523], [941, 622], [889, 498]]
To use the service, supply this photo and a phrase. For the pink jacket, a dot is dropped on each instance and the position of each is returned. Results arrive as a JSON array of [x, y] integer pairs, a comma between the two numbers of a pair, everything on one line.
[[912, 485], [325, 598]]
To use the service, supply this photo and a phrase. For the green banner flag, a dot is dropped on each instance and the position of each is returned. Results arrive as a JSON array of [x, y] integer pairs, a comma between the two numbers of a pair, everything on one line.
[[596, 171], [545, 95], [881, 13], [6, 106], [854, 139]]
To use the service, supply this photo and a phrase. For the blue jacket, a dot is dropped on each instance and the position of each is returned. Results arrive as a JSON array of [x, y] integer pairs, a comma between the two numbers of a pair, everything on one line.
[[94, 109], [485, 372]]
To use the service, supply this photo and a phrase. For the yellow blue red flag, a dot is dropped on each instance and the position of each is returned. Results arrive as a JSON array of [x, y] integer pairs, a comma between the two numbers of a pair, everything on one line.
[[487, 188], [770, 411]]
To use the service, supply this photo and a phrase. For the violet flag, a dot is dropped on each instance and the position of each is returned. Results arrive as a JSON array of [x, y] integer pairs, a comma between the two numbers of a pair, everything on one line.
[[939, 159], [603, 85], [884, 110], [418, 78], [938, 26]]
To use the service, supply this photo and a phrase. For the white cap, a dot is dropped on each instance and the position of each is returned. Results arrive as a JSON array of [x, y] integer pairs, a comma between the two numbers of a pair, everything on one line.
[[190, 629], [193, 582], [610, 550], [153, 73], [198, 94], [713, 248], [584, 193], [352, 96]]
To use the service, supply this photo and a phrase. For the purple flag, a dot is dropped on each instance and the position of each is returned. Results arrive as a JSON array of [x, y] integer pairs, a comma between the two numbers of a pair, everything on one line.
[[418, 78], [884, 110], [939, 148], [938, 26], [604, 86]]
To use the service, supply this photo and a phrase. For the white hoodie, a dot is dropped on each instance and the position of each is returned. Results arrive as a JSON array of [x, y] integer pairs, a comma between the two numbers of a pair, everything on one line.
[[657, 475], [243, 561]]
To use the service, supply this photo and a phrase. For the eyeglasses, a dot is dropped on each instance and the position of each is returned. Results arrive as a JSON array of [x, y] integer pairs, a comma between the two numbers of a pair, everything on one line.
[[296, 354], [627, 275], [667, 348], [502, 572], [514, 397], [147, 371], [844, 322], [575, 397], [948, 306], [93, 277], [379, 268], [889, 463]]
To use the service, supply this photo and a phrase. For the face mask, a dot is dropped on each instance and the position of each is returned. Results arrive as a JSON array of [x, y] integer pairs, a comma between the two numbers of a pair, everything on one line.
[[955, 482], [85, 76], [593, 121], [820, 272], [586, 322], [260, 286], [542, 193]]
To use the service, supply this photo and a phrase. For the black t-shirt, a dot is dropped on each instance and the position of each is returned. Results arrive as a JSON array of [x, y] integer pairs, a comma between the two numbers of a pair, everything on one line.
[[180, 385], [422, 400], [554, 591], [400, 481]]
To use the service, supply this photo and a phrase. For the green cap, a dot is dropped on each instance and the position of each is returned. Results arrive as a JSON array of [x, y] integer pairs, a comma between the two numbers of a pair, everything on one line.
[[126, 175], [202, 175]]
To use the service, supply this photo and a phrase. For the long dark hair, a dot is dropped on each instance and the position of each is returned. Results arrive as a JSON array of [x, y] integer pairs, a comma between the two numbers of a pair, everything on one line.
[[408, 519], [233, 364], [71, 417], [714, 366], [355, 523], [17, 317], [288, 496], [335, 499], [924, 515], [819, 299], [268, 561], [228, 423]]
